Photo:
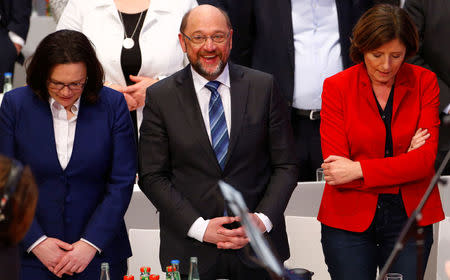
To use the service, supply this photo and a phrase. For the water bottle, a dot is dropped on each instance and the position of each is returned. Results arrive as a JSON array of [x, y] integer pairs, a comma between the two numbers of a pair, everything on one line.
[[169, 273], [7, 85], [176, 269], [193, 269], [104, 275]]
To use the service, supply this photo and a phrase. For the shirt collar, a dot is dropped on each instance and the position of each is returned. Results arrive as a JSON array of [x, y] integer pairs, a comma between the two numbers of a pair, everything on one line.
[[200, 81], [54, 105]]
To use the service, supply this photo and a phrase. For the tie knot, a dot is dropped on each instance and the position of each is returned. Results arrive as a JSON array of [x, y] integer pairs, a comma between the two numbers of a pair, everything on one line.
[[213, 86]]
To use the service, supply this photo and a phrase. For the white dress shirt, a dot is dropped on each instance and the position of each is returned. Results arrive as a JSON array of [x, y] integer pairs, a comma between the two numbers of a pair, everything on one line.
[[160, 50], [317, 49], [447, 109], [198, 228], [16, 39], [64, 130]]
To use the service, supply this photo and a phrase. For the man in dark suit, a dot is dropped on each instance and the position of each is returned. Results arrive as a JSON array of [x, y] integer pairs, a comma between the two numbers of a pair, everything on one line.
[[14, 24], [300, 42], [213, 121], [433, 23]]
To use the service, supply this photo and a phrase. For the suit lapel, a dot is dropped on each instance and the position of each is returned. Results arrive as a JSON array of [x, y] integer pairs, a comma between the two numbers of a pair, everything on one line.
[[46, 130], [239, 89], [365, 88], [189, 104], [401, 87]]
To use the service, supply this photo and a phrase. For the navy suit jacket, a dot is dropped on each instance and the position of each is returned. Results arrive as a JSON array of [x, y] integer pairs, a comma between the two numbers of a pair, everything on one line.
[[89, 198], [263, 35]]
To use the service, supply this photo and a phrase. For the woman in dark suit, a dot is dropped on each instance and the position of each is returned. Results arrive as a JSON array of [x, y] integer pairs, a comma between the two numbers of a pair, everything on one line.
[[379, 133], [77, 137]]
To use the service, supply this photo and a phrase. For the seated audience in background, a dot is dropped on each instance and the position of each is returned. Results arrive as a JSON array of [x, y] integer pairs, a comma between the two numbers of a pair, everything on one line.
[[380, 126], [77, 137], [136, 42], [18, 197], [14, 24], [432, 19]]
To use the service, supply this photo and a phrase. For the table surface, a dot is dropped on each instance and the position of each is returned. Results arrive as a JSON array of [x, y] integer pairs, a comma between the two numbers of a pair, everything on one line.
[[305, 202]]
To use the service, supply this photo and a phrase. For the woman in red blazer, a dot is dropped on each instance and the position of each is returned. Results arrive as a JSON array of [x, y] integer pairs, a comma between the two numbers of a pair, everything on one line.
[[379, 131]]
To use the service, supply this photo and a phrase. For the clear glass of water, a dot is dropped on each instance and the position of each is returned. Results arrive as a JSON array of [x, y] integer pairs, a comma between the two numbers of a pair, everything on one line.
[[319, 175], [393, 276]]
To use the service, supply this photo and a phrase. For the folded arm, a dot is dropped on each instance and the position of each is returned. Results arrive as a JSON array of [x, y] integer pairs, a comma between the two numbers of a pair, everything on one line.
[[381, 172]]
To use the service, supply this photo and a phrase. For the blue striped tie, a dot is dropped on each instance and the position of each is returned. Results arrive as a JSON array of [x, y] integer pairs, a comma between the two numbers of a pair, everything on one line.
[[217, 123]]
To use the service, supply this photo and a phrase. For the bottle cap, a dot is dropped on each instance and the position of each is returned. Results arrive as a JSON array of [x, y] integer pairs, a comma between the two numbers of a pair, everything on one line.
[[193, 259], [105, 265], [169, 268], [145, 270], [128, 277], [176, 262], [8, 74]]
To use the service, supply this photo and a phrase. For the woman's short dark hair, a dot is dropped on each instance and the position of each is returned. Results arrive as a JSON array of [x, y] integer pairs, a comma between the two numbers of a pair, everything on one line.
[[382, 24], [62, 47], [18, 212]]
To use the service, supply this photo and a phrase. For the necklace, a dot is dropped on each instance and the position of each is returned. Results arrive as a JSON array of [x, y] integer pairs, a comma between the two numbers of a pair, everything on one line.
[[128, 42]]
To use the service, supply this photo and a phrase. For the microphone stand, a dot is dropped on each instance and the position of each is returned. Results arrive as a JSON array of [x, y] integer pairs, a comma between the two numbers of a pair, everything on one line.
[[412, 224]]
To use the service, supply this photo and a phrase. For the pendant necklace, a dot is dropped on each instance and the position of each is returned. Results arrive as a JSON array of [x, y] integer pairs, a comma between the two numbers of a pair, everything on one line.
[[128, 42]]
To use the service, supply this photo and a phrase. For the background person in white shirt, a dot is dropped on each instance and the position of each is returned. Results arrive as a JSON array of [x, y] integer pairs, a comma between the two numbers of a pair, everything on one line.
[[77, 137], [300, 42], [135, 41]]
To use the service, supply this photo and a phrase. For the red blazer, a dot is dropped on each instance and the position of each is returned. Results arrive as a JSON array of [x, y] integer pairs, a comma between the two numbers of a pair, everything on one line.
[[351, 127]]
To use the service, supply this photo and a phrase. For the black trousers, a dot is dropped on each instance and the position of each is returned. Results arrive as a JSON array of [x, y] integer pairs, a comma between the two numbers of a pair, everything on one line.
[[307, 145], [229, 266]]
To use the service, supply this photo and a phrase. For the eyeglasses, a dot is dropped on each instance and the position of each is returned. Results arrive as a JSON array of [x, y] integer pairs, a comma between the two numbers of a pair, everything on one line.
[[201, 39], [72, 86]]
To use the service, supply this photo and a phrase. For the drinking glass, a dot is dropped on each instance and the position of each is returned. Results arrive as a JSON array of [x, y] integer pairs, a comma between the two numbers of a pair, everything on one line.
[[319, 175]]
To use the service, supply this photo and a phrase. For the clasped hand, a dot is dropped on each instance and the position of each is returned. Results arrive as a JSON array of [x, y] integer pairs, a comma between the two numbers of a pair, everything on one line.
[[134, 94], [225, 238], [63, 258]]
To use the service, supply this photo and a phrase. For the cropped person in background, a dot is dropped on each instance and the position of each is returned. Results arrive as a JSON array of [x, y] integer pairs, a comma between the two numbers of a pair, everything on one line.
[[300, 42], [18, 198], [135, 42], [380, 129], [14, 25], [432, 19], [77, 137]]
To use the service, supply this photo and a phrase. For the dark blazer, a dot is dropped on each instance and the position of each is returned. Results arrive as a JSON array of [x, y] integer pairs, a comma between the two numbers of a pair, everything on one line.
[[179, 170], [351, 127], [433, 23], [15, 17], [89, 198], [263, 35]]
